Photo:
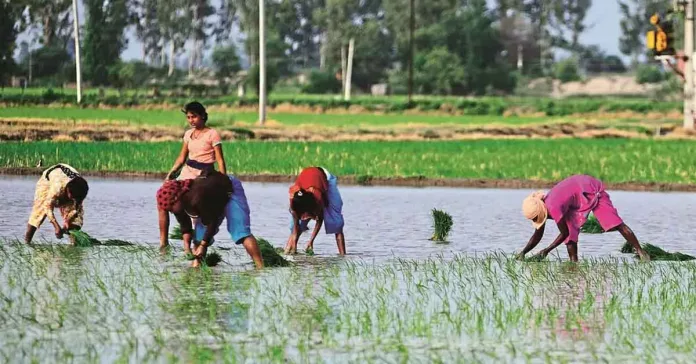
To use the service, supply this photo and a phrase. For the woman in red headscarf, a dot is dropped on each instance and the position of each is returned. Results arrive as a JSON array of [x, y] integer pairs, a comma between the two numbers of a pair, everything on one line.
[[204, 198]]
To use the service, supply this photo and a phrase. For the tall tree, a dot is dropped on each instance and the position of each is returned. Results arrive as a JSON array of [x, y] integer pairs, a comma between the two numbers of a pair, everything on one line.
[[10, 20], [149, 30], [363, 21], [570, 18], [104, 37], [175, 27], [54, 19], [199, 13]]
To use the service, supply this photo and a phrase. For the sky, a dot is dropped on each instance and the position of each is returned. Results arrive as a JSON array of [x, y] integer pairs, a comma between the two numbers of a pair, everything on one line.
[[602, 21]]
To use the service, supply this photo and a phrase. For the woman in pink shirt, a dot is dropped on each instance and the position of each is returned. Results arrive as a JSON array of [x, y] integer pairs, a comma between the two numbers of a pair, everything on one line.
[[568, 204], [202, 146]]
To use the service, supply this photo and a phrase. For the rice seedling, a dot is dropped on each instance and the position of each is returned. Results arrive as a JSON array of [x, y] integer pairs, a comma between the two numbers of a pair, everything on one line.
[[535, 258], [627, 248], [656, 253], [176, 233], [592, 226], [125, 304], [442, 224], [615, 160], [270, 256], [212, 259], [82, 239]]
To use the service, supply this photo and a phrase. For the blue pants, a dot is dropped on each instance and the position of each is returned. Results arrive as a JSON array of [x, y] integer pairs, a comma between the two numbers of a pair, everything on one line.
[[236, 215], [333, 215]]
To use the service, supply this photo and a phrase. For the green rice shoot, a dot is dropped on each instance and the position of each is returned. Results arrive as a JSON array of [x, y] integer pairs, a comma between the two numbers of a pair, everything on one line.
[[592, 226], [537, 258], [270, 256], [442, 224], [176, 233], [83, 240], [657, 253], [627, 248]]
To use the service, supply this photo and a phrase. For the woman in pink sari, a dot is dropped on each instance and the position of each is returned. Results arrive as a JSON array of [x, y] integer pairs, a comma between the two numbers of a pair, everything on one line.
[[568, 204]]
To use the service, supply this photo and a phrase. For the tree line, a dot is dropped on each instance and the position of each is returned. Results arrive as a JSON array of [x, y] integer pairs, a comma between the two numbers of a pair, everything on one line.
[[461, 46]]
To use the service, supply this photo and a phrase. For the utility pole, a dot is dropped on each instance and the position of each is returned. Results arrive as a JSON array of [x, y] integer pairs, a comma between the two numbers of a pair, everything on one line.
[[262, 62], [689, 94], [349, 71], [412, 26], [76, 25]]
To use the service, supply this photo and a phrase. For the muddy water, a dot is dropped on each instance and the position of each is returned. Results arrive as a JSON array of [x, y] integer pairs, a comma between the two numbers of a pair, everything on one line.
[[381, 222]]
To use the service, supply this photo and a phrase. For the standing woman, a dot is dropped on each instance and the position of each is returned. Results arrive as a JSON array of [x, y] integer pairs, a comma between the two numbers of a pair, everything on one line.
[[315, 196], [60, 186], [568, 204], [202, 146]]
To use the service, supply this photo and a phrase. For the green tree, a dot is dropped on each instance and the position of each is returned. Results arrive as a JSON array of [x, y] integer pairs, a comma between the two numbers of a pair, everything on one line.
[[569, 17], [226, 64], [149, 30], [10, 18], [440, 72], [134, 74], [48, 65], [176, 26], [54, 19], [567, 70], [201, 29], [362, 21], [465, 30], [104, 38], [272, 77]]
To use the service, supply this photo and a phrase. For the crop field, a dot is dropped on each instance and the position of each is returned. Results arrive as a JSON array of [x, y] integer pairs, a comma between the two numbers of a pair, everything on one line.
[[460, 309], [614, 160], [174, 117]]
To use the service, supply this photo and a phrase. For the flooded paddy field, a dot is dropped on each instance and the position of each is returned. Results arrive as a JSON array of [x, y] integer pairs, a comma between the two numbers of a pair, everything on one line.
[[397, 297]]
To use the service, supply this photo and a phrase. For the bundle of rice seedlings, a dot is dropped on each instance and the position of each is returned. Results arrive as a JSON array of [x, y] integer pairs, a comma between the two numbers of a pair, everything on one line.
[[82, 239], [627, 248], [657, 253], [309, 251], [534, 259], [212, 259], [591, 226], [116, 242], [442, 223], [176, 233], [270, 256]]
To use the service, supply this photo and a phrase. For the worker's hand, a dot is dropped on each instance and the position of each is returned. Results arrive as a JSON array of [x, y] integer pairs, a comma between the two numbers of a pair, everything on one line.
[[644, 256], [59, 232], [168, 177]]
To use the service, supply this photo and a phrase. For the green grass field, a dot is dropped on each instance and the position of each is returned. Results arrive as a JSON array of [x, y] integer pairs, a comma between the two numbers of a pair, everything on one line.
[[174, 117], [611, 160]]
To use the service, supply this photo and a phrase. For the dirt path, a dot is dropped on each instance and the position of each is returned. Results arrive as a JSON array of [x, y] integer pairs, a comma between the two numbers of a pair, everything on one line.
[[386, 181], [38, 129]]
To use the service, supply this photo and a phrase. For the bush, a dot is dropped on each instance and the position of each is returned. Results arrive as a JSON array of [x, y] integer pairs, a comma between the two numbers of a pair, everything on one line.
[[647, 73], [272, 76], [567, 71], [321, 82]]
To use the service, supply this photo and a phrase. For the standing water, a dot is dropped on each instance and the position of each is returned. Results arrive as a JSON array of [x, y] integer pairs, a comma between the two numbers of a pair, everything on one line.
[[381, 222]]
